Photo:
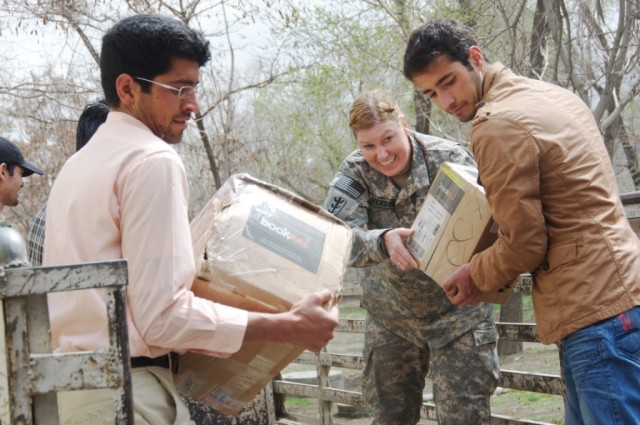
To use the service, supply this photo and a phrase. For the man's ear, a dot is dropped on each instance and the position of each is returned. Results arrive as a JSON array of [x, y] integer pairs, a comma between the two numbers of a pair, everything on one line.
[[127, 89], [476, 57], [4, 172]]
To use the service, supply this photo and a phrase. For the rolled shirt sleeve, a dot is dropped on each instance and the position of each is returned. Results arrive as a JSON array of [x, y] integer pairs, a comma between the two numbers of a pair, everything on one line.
[[156, 240], [127, 198]]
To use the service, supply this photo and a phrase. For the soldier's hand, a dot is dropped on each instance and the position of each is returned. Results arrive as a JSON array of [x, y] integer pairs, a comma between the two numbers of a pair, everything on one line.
[[396, 243]]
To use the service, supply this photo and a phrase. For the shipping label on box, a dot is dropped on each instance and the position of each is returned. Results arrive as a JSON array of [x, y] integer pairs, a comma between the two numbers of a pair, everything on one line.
[[283, 234], [261, 248], [453, 224]]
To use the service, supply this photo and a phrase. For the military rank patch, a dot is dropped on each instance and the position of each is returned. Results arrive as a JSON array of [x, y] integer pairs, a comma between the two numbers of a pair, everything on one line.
[[349, 186], [336, 205]]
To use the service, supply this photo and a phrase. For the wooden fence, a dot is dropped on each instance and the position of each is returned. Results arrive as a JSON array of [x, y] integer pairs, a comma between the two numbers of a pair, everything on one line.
[[326, 395], [510, 332]]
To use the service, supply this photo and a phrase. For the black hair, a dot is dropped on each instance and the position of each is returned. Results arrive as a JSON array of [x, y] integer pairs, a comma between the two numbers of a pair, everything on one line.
[[93, 116], [144, 46], [436, 38]]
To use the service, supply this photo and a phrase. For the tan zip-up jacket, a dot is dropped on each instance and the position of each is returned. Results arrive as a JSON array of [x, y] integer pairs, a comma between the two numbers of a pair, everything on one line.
[[553, 192]]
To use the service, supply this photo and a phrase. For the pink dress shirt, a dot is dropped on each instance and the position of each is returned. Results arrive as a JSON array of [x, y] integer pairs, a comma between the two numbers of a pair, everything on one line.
[[125, 195]]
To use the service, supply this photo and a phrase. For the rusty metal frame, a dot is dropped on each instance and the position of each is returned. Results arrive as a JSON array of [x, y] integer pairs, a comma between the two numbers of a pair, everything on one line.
[[34, 374]]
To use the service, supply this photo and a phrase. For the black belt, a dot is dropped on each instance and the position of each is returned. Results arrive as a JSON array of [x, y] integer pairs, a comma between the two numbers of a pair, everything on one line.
[[168, 361]]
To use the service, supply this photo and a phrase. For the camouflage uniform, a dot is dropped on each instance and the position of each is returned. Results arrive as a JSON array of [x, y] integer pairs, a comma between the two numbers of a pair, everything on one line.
[[410, 322]]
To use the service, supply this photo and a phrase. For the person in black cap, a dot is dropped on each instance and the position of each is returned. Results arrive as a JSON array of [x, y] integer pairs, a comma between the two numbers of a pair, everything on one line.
[[13, 167]]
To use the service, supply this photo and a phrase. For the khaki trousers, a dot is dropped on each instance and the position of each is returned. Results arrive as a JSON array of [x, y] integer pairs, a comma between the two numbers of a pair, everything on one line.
[[155, 398]]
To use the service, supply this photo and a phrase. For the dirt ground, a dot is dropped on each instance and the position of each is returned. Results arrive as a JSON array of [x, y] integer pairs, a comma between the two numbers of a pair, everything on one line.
[[506, 402]]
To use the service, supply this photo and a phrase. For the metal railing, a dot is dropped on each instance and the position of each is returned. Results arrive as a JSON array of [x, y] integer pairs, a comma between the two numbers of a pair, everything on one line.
[[34, 374]]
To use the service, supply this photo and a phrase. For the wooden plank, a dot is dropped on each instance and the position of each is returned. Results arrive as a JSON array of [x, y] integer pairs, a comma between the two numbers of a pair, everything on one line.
[[534, 382], [334, 395], [330, 359], [42, 280], [517, 331], [351, 326], [630, 198]]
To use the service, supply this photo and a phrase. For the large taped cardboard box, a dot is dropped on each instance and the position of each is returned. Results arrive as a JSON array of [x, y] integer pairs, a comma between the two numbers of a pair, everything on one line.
[[453, 224], [261, 248]]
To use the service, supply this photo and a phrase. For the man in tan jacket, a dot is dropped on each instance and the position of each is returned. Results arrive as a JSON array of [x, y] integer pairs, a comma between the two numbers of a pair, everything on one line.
[[553, 192]]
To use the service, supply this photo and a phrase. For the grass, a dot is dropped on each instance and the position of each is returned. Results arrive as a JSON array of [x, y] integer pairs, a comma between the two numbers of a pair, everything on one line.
[[293, 401], [351, 313], [514, 403], [533, 406]]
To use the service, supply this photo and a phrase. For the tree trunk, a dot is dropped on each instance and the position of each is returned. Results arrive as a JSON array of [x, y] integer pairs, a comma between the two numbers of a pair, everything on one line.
[[423, 112], [539, 33], [213, 165]]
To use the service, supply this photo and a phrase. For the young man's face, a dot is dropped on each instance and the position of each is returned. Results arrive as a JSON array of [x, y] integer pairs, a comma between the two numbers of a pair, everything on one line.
[[162, 110], [452, 87], [11, 185]]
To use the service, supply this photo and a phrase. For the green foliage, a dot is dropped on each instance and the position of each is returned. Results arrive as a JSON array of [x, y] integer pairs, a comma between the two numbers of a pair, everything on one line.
[[282, 114], [303, 126]]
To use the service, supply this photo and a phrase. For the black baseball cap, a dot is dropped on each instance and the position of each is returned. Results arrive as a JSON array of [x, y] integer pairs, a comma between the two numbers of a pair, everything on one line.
[[10, 154]]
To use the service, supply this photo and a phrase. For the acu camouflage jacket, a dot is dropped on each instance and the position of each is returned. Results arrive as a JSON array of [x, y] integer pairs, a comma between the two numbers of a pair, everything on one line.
[[410, 304]]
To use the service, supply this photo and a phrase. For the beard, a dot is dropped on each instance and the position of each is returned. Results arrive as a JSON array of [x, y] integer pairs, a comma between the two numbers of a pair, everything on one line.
[[476, 79]]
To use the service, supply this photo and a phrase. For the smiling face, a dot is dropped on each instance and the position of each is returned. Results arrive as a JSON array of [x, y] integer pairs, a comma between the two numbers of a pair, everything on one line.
[[386, 147], [161, 109], [453, 87]]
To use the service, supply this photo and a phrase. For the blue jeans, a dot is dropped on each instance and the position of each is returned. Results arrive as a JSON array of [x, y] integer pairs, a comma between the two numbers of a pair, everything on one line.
[[601, 368]]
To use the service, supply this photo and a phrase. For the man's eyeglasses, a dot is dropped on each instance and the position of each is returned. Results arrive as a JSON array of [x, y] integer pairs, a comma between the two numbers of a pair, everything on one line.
[[184, 92]]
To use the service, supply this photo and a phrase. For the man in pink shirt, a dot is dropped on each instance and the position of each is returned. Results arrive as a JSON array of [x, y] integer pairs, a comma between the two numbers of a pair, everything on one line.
[[124, 195]]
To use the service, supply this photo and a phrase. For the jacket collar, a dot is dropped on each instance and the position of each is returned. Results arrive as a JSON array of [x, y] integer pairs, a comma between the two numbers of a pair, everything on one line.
[[492, 75]]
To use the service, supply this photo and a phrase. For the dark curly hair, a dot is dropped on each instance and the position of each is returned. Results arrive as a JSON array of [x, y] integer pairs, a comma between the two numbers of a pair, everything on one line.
[[436, 38]]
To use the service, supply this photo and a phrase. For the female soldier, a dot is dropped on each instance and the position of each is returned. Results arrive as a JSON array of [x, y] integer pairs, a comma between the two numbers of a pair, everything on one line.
[[410, 323]]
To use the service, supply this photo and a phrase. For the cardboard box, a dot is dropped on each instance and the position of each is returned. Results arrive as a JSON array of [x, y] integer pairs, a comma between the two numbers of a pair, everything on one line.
[[262, 248], [453, 224]]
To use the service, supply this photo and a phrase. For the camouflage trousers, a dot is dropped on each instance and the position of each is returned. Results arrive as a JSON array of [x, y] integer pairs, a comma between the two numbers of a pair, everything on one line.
[[464, 373]]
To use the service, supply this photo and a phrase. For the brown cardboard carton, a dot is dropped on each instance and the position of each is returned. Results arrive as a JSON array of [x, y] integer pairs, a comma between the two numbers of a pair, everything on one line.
[[453, 224], [261, 248]]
